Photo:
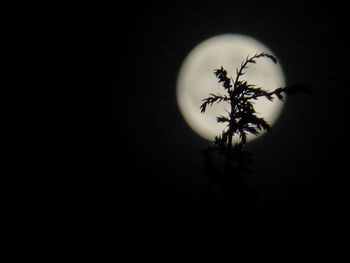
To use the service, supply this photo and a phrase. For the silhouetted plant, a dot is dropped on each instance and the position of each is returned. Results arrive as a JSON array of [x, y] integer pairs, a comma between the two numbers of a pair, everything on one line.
[[242, 117]]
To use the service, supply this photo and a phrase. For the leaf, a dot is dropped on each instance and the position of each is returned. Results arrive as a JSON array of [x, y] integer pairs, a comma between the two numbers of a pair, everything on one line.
[[210, 100], [221, 74], [217, 72], [294, 89], [256, 121], [252, 130], [278, 92], [269, 96], [203, 107], [222, 119]]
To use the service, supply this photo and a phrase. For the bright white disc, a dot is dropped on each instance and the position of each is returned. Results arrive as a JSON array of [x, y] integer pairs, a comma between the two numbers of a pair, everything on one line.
[[196, 81]]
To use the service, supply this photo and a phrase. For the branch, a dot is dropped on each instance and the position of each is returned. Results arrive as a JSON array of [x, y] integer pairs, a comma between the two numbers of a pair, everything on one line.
[[223, 119], [221, 74], [210, 100], [297, 88], [252, 60]]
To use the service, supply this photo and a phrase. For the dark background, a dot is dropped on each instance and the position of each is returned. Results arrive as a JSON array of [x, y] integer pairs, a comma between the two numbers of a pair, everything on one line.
[[155, 170]]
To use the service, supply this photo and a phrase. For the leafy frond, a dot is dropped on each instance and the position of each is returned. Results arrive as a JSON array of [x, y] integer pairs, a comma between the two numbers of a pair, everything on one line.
[[222, 119], [242, 119], [255, 93], [252, 130], [221, 74], [252, 60], [260, 123], [210, 100], [267, 55], [293, 89]]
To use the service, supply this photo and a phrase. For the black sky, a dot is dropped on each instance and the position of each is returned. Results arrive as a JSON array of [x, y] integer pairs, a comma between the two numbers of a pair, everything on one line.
[[155, 167]]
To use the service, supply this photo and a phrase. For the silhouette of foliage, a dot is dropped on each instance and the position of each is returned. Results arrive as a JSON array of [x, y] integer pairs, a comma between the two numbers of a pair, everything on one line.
[[242, 118], [228, 165]]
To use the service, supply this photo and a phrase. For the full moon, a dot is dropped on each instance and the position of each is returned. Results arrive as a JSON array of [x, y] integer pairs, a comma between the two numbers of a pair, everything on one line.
[[196, 81]]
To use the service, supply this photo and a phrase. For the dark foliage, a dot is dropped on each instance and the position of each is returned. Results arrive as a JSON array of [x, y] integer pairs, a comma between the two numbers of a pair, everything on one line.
[[242, 118]]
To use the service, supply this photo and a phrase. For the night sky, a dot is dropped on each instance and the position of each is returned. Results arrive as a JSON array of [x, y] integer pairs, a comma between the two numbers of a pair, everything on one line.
[[155, 169]]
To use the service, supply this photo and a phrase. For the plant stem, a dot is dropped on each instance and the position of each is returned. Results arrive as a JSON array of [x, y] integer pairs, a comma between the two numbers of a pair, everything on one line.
[[232, 118]]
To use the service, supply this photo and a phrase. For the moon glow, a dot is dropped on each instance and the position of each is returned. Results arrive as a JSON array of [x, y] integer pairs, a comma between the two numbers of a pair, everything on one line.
[[196, 81]]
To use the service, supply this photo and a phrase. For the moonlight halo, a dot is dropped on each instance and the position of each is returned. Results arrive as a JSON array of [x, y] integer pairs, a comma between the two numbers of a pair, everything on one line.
[[196, 81]]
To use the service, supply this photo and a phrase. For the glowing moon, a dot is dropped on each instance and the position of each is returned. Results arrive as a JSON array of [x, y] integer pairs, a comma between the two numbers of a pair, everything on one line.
[[196, 81]]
